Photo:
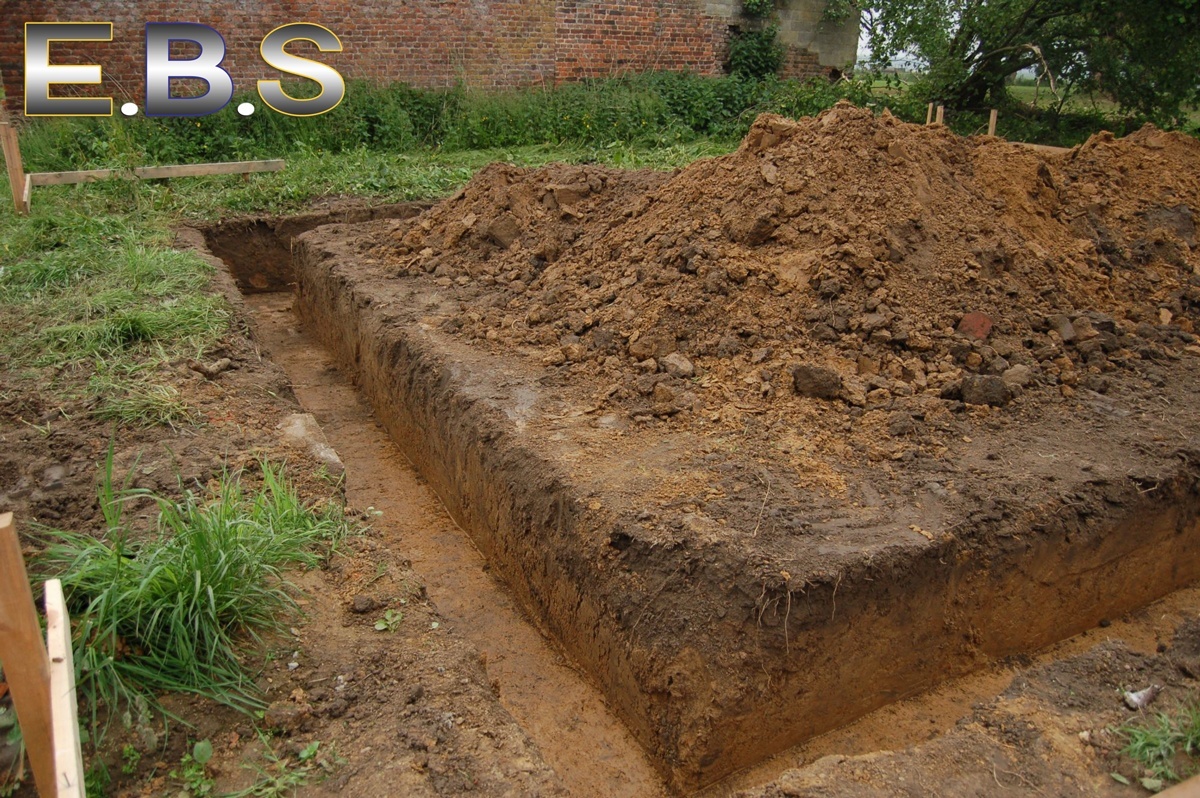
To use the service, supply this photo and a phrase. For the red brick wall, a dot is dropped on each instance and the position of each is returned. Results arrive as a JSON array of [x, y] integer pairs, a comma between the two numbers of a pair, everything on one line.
[[800, 63], [482, 43], [596, 39]]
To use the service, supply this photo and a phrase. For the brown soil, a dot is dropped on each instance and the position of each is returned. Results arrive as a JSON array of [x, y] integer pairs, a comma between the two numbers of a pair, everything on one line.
[[710, 427], [546, 696], [812, 525]]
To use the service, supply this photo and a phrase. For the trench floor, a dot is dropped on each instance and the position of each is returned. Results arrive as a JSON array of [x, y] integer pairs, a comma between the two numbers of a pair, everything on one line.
[[581, 739]]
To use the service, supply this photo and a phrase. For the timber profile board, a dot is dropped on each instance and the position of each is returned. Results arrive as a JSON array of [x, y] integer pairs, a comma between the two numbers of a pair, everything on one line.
[[155, 172]]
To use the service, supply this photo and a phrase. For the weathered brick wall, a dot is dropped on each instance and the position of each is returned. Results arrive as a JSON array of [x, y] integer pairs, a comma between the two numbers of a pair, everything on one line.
[[596, 39], [426, 42], [480, 43], [801, 63]]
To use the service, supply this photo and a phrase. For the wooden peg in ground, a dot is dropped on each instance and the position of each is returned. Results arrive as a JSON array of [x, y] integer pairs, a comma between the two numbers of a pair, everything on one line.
[[26, 665]]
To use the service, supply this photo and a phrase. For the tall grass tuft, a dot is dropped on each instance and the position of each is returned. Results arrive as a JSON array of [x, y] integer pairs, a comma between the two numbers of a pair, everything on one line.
[[173, 611]]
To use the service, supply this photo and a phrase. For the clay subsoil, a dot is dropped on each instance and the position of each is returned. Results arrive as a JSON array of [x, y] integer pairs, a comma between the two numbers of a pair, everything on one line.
[[793, 434]]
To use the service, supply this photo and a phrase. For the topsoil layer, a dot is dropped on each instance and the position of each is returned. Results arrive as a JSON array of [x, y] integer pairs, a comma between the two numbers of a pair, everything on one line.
[[792, 433]]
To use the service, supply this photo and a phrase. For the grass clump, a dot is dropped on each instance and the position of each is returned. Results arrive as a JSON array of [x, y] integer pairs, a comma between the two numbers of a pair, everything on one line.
[[144, 404], [169, 611], [1165, 745]]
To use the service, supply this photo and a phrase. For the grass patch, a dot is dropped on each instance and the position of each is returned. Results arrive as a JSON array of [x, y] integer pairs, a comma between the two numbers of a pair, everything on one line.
[[144, 404], [170, 611], [84, 285], [1166, 745]]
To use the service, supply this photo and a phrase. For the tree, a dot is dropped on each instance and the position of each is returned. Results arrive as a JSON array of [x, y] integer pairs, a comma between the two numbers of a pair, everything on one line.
[[1142, 53]]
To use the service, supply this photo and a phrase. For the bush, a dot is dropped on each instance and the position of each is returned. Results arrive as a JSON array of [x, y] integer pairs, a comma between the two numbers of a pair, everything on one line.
[[756, 53], [758, 8], [650, 109]]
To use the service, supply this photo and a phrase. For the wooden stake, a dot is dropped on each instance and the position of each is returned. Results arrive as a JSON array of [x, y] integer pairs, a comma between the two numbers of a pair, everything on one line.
[[1188, 789], [26, 666], [68, 755], [12, 162], [992, 122], [929, 115], [941, 115]]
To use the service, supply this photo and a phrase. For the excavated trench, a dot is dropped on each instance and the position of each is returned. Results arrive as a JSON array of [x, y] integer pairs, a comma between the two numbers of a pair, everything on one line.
[[710, 666], [560, 710]]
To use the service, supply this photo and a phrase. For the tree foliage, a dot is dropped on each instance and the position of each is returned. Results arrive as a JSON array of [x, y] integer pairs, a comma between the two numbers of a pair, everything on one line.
[[1142, 53]]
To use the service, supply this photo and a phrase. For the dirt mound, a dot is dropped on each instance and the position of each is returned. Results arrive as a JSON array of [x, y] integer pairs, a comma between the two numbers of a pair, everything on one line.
[[839, 258]]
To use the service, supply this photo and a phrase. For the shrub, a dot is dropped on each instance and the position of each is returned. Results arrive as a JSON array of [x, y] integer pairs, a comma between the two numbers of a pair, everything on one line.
[[756, 53], [758, 8]]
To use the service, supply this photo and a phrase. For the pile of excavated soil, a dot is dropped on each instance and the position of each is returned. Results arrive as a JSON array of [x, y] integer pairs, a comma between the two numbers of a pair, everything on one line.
[[840, 258]]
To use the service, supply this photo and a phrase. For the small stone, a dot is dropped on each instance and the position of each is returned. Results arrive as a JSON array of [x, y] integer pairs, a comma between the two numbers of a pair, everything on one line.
[[1084, 329], [571, 194], [52, 477], [976, 325], [760, 355], [1165, 316], [651, 346], [677, 365], [818, 382], [667, 400], [302, 431], [415, 695], [284, 716], [572, 348], [728, 346], [504, 231], [985, 389], [1062, 325], [901, 424], [649, 365], [1018, 375]]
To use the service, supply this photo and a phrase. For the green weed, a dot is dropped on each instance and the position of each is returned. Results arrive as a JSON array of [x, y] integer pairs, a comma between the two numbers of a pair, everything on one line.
[[1166, 745], [130, 759], [171, 611], [193, 774], [282, 777], [390, 620]]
